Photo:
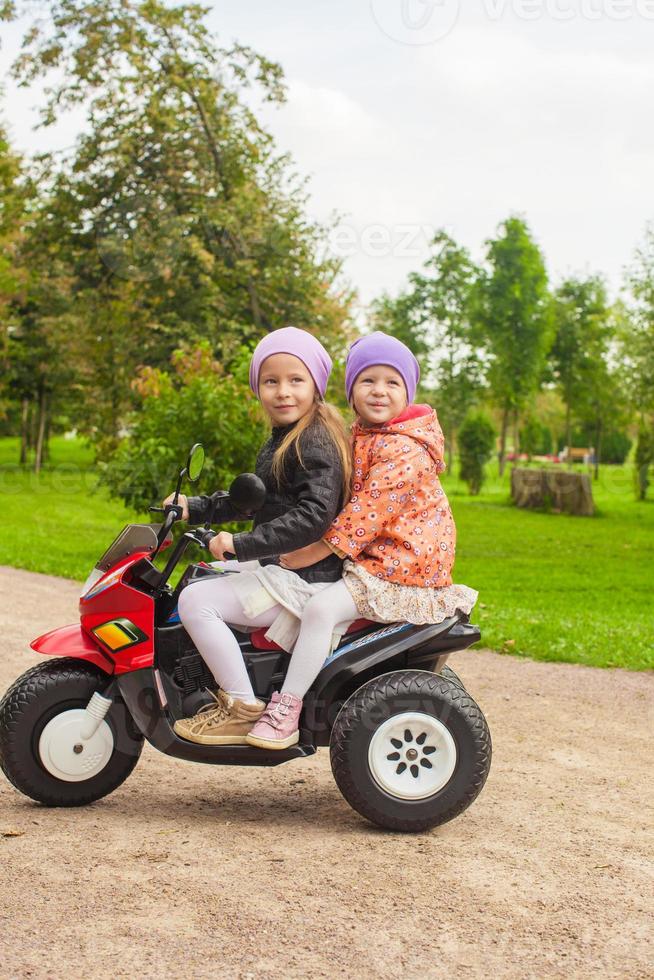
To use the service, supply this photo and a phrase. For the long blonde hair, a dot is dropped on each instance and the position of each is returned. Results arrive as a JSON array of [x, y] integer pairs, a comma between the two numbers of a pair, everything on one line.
[[330, 418]]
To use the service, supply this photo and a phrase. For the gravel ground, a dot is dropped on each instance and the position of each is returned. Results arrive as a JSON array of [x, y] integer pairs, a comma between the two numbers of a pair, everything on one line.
[[195, 871]]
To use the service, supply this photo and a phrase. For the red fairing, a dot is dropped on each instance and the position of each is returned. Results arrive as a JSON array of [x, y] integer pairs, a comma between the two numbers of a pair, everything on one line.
[[71, 641], [119, 601]]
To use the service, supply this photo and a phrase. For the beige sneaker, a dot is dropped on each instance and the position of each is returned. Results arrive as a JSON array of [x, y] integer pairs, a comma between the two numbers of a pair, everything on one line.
[[226, 722]]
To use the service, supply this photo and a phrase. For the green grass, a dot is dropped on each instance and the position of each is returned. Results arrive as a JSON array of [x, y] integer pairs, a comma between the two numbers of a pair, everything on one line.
[[551, 586], [56, 521], [557, 587]]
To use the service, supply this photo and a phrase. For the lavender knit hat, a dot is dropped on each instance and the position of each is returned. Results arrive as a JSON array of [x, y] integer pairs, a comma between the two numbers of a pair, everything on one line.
[[290, 340], [379, 348]]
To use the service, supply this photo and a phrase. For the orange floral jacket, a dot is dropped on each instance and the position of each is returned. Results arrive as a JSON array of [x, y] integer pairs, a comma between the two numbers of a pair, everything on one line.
[[398, 523]]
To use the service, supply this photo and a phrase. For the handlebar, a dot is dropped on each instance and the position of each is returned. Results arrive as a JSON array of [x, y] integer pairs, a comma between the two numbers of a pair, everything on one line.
[[204, 536], [249, 495], [170, 509]]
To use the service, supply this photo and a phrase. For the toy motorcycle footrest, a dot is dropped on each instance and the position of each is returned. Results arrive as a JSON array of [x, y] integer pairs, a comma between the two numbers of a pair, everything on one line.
[[259, 641]]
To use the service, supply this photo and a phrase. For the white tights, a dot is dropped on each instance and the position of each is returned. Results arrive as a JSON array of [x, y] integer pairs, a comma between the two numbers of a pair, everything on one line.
[[205, 608], [332, 607]]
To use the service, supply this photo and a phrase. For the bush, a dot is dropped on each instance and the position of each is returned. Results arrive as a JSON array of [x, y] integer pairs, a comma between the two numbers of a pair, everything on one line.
[[476, 445], [643, 459], [535, 438], [614, 448], [199, 403]]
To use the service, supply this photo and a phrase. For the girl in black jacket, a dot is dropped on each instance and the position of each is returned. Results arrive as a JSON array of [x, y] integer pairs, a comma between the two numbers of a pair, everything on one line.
[[306, 467]]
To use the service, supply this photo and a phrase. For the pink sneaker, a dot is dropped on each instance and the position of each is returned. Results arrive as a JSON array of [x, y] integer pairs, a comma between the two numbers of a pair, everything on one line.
[[278, 726]]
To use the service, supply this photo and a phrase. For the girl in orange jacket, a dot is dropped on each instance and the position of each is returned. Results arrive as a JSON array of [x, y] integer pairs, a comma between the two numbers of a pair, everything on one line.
[[396, 533]]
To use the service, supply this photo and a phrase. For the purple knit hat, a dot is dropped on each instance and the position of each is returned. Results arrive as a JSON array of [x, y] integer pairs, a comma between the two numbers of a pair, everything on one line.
[[379, 348], [290, 340]]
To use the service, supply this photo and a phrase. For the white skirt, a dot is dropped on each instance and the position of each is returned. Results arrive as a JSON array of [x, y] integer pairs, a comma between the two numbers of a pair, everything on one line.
[[390, 602], [260, 587]]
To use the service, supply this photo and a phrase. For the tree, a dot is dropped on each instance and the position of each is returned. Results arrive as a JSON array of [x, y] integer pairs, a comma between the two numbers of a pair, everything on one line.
[[643, 459], [13, 271], [198, 402], [534, 437], [175, 216], [433, 317], [513, 313], [476, 445], [603, 408], [637, 354], [579, 350]]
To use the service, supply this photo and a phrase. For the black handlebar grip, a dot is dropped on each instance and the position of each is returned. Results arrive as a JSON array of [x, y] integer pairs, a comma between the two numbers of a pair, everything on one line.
[[205, 536]]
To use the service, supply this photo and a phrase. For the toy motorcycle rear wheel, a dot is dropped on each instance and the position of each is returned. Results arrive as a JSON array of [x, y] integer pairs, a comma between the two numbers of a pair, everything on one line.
[[410, 750], [40, 751], [451, 675]]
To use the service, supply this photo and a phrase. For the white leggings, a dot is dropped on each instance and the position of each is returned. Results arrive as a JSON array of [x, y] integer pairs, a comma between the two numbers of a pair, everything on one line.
[[205, 608]]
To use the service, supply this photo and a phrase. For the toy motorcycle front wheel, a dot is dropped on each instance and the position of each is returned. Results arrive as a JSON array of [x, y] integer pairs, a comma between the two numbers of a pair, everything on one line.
[[410, 750], [41, 749]]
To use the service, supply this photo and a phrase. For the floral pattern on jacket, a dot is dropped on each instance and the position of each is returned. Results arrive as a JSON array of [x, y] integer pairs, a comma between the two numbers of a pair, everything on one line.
[[398, 523]]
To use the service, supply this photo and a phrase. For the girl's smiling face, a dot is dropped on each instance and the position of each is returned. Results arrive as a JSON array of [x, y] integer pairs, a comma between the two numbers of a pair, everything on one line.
[[286, 388], [379, 394]]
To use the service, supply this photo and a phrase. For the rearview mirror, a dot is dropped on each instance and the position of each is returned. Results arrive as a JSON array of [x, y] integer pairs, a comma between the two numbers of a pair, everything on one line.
[[195, 462]]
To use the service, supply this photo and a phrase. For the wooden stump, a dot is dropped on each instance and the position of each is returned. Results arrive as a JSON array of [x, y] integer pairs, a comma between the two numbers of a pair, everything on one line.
[[555, 490]]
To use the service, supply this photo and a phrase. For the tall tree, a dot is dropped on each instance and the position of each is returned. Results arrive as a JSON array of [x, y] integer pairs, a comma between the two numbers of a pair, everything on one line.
[[637, 346], [579, 351], [13, 271], [515, 318], [174, 210], [637, 350]]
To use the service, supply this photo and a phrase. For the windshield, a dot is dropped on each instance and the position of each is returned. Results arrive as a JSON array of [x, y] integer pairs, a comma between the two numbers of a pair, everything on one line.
[[134, 537]]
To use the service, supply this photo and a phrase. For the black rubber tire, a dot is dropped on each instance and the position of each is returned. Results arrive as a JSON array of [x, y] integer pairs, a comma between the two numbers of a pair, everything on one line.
[[451, 675], [393, 694], [31, 702]]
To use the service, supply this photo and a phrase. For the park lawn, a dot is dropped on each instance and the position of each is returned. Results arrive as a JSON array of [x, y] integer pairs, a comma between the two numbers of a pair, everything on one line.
[[552, 587], [55, 522]]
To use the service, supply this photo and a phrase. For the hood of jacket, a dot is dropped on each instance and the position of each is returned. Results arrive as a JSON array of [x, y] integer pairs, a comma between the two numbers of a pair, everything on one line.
[[418, 422]]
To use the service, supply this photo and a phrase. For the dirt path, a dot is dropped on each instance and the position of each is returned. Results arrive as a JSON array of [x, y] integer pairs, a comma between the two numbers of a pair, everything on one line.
[[202, 872]]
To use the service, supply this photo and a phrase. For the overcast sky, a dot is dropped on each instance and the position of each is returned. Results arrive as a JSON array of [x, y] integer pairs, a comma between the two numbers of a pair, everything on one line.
[[410, 115]]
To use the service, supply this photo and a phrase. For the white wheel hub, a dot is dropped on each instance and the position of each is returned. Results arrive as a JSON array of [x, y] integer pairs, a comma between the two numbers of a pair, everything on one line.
[[412, 755], [68, 756]]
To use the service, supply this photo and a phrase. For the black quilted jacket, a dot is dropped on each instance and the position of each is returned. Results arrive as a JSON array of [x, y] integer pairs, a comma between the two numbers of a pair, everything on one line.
[[296, 513]]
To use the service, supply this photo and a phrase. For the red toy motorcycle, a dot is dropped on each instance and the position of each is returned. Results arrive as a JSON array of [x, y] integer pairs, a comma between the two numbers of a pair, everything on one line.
[[409, 747]]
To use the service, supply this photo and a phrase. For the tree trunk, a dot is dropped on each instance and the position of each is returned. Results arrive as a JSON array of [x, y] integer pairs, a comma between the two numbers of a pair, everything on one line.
[[43, 411], [46, 437], [553, 490], [24, 430], [598, 443], [502, 452], [568, 433], [516, 436], [31, 432]]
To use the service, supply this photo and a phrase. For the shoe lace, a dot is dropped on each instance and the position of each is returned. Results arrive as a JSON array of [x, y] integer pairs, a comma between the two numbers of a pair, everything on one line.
[[216, 710]]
